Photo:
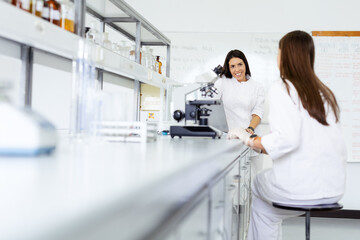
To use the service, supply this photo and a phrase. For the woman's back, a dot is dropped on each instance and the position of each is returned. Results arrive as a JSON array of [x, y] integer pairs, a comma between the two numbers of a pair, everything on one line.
[[309, 157]]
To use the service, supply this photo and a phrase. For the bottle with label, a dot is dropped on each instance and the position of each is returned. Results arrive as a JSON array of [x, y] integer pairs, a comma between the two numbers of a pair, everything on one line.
[[133, 54], [158, 65], [36, 7], [67, 15], [23, 4], [52, 12]]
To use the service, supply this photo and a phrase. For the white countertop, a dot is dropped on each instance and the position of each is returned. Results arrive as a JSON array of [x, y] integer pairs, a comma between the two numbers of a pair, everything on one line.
[[90, 188]]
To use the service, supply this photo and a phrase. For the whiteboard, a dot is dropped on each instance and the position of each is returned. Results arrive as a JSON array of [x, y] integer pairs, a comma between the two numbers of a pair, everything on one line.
[[337, 63]]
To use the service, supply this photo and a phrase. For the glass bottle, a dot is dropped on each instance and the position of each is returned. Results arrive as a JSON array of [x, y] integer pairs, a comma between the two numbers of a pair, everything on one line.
[[51, 12], [151, 59], [132, 53], [93, 34], [106, 43], [37, 7], [143, 57], [158, 65], [23, 4], [16, 3], [125, 49], [67, 16]]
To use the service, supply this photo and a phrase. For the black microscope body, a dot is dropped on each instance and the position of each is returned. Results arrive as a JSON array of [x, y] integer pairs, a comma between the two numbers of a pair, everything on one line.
[[197, 112]]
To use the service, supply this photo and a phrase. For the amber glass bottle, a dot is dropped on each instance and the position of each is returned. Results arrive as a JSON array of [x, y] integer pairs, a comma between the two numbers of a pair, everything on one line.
[[23, 4], [67, 15], [16, 3], [36, 7], [51, 12], [158, 65]]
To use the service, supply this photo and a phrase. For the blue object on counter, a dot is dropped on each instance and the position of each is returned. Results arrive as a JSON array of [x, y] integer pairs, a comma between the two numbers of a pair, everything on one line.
[[165, 132], [26, 152]]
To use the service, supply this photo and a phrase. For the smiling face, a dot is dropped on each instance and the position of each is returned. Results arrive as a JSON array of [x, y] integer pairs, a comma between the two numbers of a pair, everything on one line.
[[237, 69]]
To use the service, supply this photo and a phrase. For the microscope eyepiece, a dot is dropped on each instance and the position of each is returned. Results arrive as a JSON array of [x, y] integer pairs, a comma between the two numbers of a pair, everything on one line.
[[218, 69]]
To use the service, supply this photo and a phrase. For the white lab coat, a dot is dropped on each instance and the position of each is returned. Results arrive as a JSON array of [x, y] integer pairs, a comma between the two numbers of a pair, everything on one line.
[[308, 163], [241, 100]]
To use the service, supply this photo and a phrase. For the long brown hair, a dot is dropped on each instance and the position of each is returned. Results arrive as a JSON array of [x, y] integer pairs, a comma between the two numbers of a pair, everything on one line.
[[297, 66]]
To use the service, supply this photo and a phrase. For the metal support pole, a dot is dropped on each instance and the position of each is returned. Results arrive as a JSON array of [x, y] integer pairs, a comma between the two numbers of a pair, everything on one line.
[[101, 78], [209, 212], [102, 26], [307, 223], [162, 104], [100, 71], [80, 6], [27, 58], [167, 102], [167, 94], [136, 81], [168, 48]]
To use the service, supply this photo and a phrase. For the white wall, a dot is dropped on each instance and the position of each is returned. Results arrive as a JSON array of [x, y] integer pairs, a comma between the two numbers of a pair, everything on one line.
[[249, 16], [230, 16]]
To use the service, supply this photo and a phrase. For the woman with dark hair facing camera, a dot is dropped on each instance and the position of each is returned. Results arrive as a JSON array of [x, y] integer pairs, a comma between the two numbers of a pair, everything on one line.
[[305, 143], [243, 98]]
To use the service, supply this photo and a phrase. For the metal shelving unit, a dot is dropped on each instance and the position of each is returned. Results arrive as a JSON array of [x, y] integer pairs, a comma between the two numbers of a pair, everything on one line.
[[31, 32]]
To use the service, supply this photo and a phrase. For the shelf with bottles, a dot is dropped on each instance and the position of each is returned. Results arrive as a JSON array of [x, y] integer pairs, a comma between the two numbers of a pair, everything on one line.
[[112, 62], [26, 28], [59, 12], [119, 16], [30, 30], [62, 14], [124, 48]]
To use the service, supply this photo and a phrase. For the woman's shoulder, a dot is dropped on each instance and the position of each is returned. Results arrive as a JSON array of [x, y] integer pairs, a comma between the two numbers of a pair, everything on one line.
[[286, 89]]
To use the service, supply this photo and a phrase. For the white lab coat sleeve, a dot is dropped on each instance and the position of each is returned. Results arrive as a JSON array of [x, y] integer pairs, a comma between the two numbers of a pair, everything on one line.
[[285, 122], [260, 99], [219, 86]]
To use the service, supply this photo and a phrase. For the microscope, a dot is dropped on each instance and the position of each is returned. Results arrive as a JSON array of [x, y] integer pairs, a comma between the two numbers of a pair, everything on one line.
[[198, 111]]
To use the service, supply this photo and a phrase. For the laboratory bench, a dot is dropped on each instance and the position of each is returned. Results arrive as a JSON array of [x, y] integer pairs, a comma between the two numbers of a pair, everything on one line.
[[185, 188]]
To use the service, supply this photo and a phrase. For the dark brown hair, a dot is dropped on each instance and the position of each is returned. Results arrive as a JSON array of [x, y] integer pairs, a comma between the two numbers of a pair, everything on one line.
[[297, 66], [234, 54]]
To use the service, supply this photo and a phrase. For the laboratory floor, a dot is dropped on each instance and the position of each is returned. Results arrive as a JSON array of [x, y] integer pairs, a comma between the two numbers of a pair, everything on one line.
[[322, 228]]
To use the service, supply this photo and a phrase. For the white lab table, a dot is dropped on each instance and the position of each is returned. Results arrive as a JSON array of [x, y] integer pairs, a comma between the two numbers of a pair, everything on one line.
[[97, 190]]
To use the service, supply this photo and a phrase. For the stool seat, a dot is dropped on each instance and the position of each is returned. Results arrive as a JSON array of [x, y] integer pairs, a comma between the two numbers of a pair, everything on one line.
[[319, 207], [308, 209]]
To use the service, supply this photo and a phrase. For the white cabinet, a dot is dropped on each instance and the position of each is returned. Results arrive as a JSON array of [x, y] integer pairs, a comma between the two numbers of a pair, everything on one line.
[[195, 225], [217, 210], [223, 213], [231, 219]]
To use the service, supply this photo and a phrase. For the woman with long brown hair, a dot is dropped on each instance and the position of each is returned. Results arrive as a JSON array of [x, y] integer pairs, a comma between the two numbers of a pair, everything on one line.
[[306, 142], [242, 96]]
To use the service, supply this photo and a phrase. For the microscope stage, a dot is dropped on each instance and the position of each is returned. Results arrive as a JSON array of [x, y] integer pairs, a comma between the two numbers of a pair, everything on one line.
[[192, 131]]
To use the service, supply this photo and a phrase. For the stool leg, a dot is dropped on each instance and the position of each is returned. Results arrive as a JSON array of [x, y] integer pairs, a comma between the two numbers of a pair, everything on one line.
[[307, 223]]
